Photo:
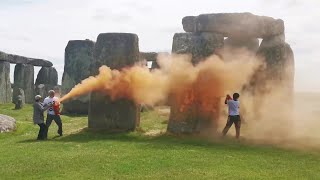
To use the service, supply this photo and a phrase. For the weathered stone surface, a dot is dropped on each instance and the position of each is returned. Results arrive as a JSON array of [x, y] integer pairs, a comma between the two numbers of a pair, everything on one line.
[[78, 57], [272, 42], [47, 79], [18, 98], [182, 121], [190, 23], [150, 56], [41, 89], [273, 51], [191, 118], [24, 79], [234, 24], [116, 50], [16, 59], [7, 123], [278, 70], [199, 45], [47, 75], [5, 85], [251, 44]]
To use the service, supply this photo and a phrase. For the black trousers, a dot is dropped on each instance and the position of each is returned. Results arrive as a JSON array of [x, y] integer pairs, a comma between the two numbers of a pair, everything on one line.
[[237, 123], [56, 119], [42, 132]]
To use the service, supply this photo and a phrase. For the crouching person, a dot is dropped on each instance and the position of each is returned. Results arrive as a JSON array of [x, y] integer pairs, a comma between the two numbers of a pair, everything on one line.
[[38, 117]]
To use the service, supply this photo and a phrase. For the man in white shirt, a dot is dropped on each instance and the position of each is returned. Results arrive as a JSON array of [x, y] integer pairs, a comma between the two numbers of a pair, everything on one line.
[[234, 115], [51, 115]]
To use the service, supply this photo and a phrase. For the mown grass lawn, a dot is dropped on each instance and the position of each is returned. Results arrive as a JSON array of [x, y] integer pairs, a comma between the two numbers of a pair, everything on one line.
[[81, 154]]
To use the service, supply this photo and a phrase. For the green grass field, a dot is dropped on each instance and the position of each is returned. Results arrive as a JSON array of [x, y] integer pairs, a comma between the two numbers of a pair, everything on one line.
[[146, 154]]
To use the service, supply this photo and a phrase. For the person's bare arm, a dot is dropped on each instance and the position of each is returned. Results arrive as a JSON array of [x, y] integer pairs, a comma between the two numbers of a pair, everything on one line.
[[227, 98]]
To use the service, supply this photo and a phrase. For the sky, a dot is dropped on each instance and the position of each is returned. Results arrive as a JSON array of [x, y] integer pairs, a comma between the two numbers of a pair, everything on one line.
[[42, 28]]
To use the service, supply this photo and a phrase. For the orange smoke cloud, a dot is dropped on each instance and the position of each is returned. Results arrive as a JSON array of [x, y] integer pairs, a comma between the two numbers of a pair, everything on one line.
[[202, 86], [90, 84], [203, 83]]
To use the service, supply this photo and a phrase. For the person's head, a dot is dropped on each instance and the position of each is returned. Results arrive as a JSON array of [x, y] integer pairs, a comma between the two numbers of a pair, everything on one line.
[[51, 93], [236, 96], [37, 98]]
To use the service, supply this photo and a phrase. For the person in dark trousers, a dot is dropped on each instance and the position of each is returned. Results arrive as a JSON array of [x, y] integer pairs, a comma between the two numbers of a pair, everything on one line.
[[51, 100], [38, 117], [234, 115]]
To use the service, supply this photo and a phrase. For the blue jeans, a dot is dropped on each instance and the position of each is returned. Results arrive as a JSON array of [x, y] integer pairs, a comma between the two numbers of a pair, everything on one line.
[[56, 119]]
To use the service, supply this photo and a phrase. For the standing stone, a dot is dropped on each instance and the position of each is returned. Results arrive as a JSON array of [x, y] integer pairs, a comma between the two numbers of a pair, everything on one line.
[[24, 79], [199, 45], [18, 98], [78, 57], [5, 85], [41, 90], [47, 79], [116, 50], [190, 118], [276, 76], [274, 51], [47, 75]]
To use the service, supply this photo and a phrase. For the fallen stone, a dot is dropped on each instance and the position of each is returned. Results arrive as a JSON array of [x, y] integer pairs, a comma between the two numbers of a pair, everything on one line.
[[7, 123]]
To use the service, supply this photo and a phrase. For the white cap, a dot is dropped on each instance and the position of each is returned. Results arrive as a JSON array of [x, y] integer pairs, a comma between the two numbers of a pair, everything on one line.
[[37, 97]]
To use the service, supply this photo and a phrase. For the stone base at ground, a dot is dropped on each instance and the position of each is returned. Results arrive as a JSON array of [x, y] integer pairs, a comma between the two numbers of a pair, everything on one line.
[[112, 116]]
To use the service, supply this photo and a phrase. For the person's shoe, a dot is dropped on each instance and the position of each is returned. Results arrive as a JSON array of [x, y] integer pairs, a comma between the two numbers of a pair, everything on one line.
[[60, 133]]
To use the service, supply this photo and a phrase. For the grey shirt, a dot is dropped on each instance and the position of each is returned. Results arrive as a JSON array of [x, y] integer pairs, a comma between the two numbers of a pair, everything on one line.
[[38, 110]]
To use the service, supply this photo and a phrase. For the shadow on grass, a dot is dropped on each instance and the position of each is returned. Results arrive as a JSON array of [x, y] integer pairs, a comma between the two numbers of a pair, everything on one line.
[[160, 141], [29, 141]]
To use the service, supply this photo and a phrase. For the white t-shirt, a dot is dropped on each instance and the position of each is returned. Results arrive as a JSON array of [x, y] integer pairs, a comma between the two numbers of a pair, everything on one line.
[[233, 107], [50, 101]]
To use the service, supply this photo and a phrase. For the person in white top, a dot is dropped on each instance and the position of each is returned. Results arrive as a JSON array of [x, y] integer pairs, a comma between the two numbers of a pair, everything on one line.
[[51, 115], [234, 115]]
